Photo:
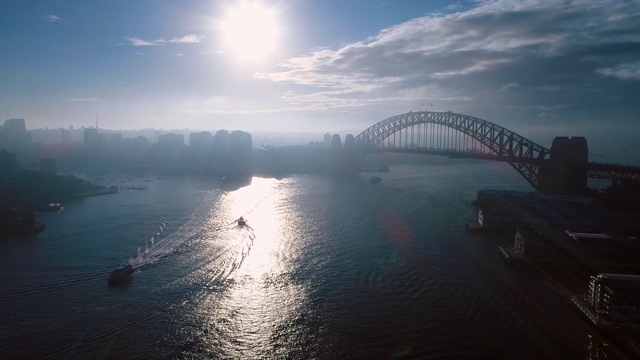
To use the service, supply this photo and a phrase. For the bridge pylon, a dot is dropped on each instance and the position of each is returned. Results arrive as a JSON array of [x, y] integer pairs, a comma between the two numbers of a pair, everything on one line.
[[565, 172]]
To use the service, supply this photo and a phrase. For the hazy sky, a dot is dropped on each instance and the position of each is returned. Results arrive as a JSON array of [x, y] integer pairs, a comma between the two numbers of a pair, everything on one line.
[[536, 67]]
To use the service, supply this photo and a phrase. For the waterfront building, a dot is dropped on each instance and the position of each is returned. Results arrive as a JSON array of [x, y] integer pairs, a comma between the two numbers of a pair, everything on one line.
[[616, 296], [241, 152], [502, 209], [529, 243]]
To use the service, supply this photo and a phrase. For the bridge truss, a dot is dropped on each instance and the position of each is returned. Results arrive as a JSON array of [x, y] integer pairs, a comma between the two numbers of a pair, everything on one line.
[[448, 132]]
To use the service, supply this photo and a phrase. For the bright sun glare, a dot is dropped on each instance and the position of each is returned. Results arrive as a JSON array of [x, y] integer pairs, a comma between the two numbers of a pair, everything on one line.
[[250, 31]]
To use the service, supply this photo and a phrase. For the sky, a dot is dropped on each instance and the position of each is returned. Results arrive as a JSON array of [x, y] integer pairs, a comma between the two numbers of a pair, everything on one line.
[[538, 67]]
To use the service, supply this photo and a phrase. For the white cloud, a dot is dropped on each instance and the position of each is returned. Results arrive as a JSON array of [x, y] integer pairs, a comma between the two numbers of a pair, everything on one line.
[[51, 18], [509, 86], [188, 39], [624, 71], [140, 42], [537, 46]]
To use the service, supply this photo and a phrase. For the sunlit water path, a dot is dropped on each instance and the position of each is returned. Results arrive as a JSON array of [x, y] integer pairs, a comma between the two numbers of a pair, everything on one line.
[[325, 268]]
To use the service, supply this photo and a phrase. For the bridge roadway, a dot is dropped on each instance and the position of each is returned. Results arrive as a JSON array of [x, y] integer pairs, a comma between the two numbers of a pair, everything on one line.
[[458, 135], [595, 170]]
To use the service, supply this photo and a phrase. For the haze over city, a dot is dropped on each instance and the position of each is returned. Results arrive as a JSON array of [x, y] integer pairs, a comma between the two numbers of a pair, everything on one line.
[[537, 67], [320, 179]]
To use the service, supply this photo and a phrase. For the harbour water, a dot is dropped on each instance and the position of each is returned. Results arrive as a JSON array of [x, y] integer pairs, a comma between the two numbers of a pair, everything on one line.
[[327, 267]]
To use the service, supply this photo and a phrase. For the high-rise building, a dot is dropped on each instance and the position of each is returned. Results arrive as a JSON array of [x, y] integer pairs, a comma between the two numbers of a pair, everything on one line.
[[349, 142], [241, 152], [171, 140], [92, 139], [336, 142], [200, 140], [221, 142], [15, 126], [14, 133], [327, 140]]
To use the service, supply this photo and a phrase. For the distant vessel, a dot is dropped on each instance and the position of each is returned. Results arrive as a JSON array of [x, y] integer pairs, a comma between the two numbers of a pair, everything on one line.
[[375, 179], [121, 273], [242, 221], [54, 207]]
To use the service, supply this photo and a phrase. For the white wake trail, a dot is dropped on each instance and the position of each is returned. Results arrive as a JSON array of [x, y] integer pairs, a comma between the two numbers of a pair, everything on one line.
[[159, 246]]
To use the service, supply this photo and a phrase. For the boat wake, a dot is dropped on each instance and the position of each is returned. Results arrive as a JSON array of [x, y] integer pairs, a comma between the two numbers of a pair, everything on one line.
[[163, 244]]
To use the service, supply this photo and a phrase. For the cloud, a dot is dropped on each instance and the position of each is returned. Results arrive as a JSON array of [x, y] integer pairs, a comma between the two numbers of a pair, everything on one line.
[[51, 18], [140, 42], [581, 54], [624, 71], [509, 86], [188, 39]]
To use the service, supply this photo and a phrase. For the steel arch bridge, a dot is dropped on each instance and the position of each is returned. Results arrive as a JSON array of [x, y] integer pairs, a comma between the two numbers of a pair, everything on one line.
[[447, 132]]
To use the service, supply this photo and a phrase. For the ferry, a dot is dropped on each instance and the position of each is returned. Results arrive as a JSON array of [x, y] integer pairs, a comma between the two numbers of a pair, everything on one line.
[[121, 273], [54, 207]]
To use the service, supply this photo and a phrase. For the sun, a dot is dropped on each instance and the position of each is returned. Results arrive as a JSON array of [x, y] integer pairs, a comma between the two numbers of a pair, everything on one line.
[[250, 31]]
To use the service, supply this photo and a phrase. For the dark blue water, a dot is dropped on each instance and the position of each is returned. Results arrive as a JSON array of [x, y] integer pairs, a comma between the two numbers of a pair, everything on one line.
[[327, 268]]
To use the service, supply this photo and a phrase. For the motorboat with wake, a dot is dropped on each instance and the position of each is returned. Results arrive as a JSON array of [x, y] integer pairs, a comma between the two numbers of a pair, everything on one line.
[[242, 221], [121, 273]]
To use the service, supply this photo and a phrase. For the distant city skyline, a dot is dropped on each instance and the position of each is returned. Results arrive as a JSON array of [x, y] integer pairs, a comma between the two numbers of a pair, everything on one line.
[[539, 68]]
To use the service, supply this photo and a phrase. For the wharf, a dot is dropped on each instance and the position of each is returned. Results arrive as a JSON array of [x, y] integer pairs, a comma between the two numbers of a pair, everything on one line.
[[590, 314], [507, 254], [474, 226]]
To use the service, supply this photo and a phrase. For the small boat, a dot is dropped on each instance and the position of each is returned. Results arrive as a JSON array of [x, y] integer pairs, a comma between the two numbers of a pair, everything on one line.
[[121, 273], [53, 207], [375, 179], [242, 221]]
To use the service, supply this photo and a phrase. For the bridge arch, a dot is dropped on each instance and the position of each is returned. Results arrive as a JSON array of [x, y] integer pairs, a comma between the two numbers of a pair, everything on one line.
[[522, 154]]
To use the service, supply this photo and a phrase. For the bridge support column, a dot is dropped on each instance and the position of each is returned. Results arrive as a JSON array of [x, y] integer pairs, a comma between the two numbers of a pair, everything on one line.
[[566, 170]]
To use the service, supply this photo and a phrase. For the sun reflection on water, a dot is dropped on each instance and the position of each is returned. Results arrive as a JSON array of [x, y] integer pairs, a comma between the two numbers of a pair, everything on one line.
[[260, 301]]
